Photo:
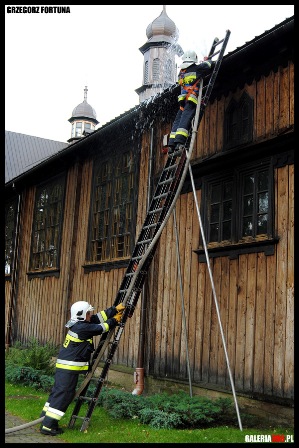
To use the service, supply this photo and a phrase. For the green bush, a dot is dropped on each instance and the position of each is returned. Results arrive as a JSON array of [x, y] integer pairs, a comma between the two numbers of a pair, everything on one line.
[[29, 377], [35, 355], [167, 411], [160, 419], [121, 404]]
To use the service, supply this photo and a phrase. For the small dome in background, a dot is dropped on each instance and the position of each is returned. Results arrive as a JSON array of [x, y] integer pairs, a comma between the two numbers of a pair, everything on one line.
[[84, 109]]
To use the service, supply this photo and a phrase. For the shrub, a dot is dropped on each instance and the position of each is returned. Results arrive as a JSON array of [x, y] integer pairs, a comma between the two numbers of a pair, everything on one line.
[[121, 404], [167, 411], [35, 355], [159, 419]]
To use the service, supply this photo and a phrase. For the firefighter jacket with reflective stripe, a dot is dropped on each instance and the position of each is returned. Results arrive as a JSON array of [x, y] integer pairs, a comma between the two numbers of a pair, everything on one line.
[[75, 354], [188, 79]]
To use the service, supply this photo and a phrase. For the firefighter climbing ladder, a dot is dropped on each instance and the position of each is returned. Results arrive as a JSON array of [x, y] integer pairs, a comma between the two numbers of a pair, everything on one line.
[[162, 204]]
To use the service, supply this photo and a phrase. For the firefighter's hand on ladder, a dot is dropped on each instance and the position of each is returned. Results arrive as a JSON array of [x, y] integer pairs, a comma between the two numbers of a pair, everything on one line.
[[120, 307], [118, 316]]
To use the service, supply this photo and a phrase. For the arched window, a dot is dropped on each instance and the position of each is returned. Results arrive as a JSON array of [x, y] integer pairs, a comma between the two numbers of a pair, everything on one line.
[[238, 122], [168, 71], [146, 72], [156, 70]]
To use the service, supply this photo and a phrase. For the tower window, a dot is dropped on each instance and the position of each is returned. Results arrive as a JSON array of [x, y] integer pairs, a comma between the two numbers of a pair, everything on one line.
[[168, 71], [78, 129], [146, 72], [156, 69]]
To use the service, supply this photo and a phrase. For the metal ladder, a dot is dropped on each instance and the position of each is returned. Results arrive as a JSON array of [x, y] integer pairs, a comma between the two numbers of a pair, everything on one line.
[[163, 201]]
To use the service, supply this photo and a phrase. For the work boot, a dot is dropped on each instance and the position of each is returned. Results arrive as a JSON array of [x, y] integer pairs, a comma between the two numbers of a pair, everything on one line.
[[51, 431], [180, 147]]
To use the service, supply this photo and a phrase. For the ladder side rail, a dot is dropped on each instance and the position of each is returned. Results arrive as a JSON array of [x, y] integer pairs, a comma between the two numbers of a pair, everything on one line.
[[214, 75]]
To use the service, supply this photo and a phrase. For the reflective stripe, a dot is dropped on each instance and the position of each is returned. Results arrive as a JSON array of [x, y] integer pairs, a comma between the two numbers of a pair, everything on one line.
[[182, 131], [72, 363], [74, 337], [46, 405], [74, 368], [56, 412], [53, 415], [193, 98], [182, 96], [102, 316], [105, 327]]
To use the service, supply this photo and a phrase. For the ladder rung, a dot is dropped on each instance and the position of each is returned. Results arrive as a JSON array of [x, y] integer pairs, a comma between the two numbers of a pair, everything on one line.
[[170, 167], [160, 196], [137, 258], [78, 416], [144, 241], [150, 226], [216, 52], [86, 398], [168, 181], [155, 211]]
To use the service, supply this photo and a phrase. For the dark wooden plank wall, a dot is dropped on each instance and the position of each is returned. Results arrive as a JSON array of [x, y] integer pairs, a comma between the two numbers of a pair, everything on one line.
[[254, 292]]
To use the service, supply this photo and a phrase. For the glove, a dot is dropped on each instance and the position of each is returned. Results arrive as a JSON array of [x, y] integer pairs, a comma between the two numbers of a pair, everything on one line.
[[118, 316], [120, 307]]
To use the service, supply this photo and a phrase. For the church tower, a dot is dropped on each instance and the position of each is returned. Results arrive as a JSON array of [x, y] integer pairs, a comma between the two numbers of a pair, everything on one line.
[[83, 120], [159, 68]]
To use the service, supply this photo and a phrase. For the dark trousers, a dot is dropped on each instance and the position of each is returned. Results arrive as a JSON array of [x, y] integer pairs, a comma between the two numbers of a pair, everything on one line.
[[61, 396], [183, 121]]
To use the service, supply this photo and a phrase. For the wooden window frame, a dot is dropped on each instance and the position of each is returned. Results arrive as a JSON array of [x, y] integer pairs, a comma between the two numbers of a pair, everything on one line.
[[110, 241], [10, 231], [238, 122], [238, 242], [51, 231]]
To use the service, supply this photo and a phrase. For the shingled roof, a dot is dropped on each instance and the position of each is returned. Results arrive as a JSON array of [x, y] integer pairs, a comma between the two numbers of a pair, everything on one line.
[[23, 152]]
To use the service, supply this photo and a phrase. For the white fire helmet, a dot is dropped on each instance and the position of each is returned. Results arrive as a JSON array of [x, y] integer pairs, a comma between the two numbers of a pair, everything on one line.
[[188, 58], [79, 310]]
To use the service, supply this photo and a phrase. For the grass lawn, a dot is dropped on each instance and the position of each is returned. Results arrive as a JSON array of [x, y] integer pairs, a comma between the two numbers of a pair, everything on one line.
[[27, 403]]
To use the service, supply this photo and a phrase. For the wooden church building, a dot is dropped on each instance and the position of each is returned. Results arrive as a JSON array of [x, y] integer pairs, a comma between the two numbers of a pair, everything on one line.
[[72, 219]]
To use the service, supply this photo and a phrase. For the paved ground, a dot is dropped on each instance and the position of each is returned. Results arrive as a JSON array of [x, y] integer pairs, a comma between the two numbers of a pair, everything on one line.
[[27, 435]]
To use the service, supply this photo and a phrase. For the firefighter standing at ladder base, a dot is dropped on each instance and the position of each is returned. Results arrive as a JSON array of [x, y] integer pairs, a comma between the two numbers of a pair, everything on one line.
[[74, 357], [188, 78]]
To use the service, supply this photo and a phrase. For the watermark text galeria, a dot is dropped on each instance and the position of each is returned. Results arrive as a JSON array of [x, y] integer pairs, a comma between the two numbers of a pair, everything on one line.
[[255, 438]]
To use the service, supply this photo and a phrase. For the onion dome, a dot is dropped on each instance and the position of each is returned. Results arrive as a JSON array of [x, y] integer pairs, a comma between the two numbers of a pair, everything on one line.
[[84, 110], [162, 29]]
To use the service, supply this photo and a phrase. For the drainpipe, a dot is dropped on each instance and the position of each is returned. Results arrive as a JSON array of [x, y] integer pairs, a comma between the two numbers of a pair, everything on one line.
[[13, 285], [139, 372]]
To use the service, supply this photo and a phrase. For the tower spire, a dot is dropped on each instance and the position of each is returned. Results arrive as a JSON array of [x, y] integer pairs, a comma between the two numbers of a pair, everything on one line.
[[85, 94]]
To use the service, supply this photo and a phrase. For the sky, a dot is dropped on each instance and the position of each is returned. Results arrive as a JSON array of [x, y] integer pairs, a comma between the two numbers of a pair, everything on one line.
[[51, 57]]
